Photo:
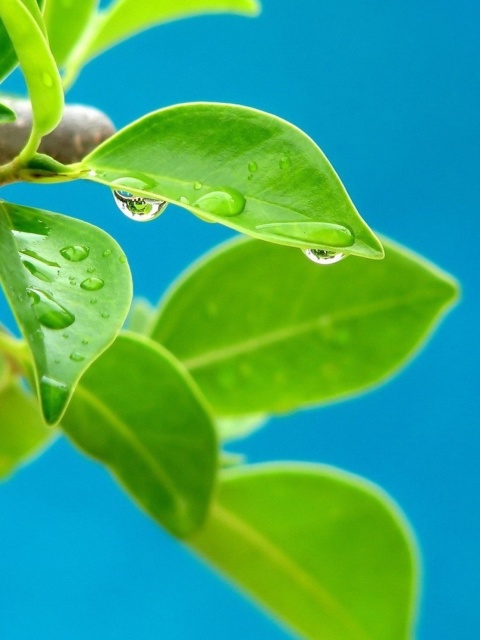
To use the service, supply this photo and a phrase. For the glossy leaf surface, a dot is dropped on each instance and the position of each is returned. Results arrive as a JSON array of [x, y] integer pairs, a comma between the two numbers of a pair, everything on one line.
[[66, 22], [243, 168], [70, 289], [137, 411], [124, 18], [325, 552], [8, 57], [22, 429], [262, 329], [37, 62]]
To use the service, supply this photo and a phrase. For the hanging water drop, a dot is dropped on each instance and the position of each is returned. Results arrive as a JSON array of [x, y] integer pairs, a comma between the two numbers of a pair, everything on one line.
[[322, 256], [139, 208], [223, 201]]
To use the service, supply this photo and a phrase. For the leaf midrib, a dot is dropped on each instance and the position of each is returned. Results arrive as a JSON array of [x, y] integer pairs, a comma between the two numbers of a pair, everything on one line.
[[118, 425], [293, 570], [286, 333]]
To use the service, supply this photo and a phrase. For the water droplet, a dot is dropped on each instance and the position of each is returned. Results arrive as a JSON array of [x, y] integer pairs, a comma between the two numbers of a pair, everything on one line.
[[90, 270], [139, 208], [252, 166], [39, 266], [47, 79], [106, 253], [85, 341], [72, 280], [75, 253], [184, 200], [92, 284], [93, 301], [76, 357], [197, 186], [250, 177], [57, 361], [223, 201], [285, 162], [312, 232], [105, 315], [122, 259], [65, 335], [50, 313], [320, 256]]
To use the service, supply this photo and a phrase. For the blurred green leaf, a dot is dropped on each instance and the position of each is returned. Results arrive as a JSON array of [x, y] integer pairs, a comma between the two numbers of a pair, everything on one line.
[[22, 430], [66, 22], [262, 329], [7, 114], [139, 413], [141, 316], [326, 553], [26, 32], [239, 427], [8, 57], [243, 168], [124, 18], [69, 287]]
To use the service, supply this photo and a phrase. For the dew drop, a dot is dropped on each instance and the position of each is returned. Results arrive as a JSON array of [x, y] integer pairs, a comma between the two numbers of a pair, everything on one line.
[[72, 280], [93, 301], [106, 253], [122, 259], [50, 313], [285, 162], [184, 200], [65, 335], [75, 253], [105, 315], [90, 270], [320, 256], [92, 284], [197, 186], [252, 166], [76, 357], [139, 208], [85, 341], [223, 201]]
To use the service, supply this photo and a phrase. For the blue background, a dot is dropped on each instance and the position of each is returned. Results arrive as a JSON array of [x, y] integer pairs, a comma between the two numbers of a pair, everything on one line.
[[390, 91]]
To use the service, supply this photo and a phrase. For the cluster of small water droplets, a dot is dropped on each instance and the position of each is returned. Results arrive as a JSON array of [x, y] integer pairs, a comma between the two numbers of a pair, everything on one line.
[[322, 256], [138, 208]]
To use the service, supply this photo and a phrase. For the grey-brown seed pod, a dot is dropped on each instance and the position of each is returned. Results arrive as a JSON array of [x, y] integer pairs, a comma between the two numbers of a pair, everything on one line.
[[81, 129]]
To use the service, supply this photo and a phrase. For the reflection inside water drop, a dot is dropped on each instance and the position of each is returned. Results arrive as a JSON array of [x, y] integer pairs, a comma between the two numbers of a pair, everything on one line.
[[321, 256], [138, 208]]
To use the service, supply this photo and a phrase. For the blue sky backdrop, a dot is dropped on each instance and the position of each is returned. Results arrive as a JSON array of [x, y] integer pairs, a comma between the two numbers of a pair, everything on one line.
[[390, 91]]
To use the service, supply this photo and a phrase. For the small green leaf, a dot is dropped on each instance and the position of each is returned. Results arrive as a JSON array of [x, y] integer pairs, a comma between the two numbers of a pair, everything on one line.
[[139, 413], [38, 65], [69, 287], [325, 552], [239, 427], [243, 168], [262, 329], [8, 57], [22, 430], [7, 114], [66, 22], [124, 18]]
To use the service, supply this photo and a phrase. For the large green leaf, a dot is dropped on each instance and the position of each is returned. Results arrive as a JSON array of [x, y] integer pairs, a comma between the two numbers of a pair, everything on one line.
[[124, 18], [139, 413], [246, 169], [25, 30], [66, 21], [69, 287], [262, 329], [22, 430], [325, 552]]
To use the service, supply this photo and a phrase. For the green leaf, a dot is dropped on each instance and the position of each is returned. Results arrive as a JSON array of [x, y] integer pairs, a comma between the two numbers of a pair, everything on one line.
[[7, 114], [8, 57], [66, 22], [139, 413], [141, 316], [262, 329], [22, 430], [246, 169], [328, 554], [69, 287], [124, 18], [38, 65]]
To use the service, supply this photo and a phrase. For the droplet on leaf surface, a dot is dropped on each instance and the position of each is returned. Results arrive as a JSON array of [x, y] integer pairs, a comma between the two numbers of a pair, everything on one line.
[[223, 201]]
